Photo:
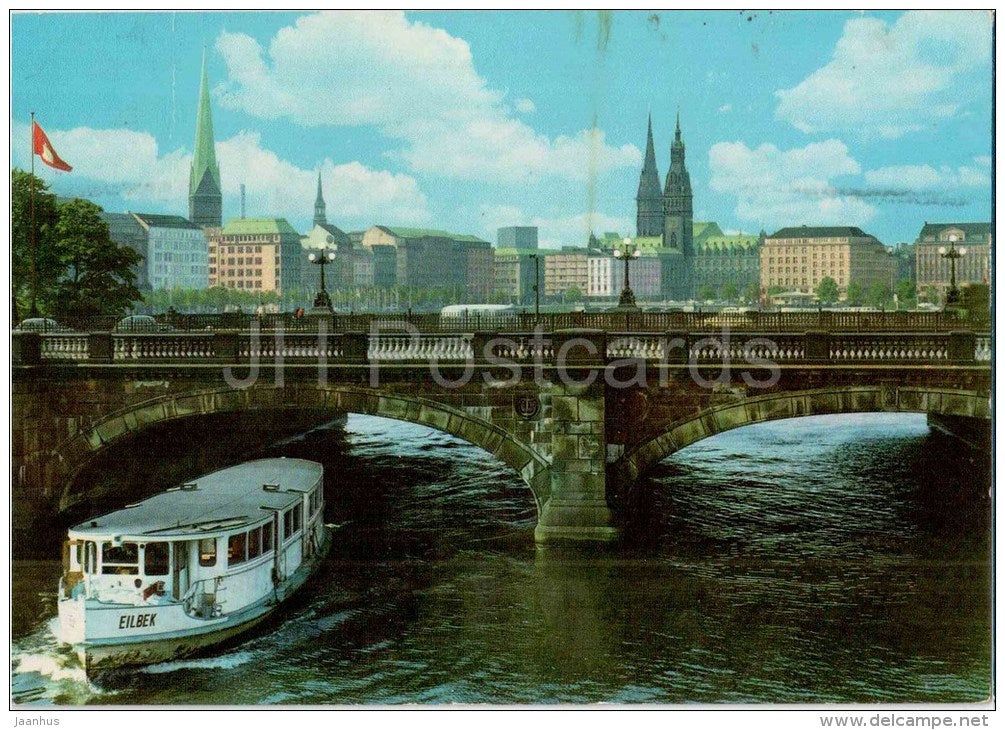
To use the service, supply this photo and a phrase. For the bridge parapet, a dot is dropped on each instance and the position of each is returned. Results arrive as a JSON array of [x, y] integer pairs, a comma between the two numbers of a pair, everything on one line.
[[570, 347]]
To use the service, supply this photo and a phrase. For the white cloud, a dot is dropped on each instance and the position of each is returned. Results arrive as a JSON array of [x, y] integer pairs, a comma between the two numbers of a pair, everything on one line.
[[920, 177], [574, 230], [889, 80], [525, 106], [725, 108], [416, 84], [774, 187], [129, 165]]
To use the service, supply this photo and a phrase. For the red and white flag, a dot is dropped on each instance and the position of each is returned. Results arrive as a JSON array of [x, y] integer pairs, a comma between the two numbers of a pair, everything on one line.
[[43, 148]]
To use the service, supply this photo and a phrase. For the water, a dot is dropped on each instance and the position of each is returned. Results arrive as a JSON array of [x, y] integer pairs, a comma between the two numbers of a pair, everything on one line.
[[830, 559]]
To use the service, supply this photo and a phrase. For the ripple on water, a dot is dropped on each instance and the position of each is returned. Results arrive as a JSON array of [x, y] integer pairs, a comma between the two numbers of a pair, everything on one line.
[[803, 561]]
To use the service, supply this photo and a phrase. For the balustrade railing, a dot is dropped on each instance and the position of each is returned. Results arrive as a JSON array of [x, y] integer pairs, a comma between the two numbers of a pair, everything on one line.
[[890, 348], [592, 346], [64, 347], [419, 348]]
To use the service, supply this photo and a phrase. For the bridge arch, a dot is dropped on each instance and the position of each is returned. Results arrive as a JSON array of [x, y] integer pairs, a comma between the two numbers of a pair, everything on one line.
[[796, 404], [64, 463]]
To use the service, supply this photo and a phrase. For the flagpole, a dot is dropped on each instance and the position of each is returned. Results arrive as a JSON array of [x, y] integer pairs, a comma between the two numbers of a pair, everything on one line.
[[33, 312]]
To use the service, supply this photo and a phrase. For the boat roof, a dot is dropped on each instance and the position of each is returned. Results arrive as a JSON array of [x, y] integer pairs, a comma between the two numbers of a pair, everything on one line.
[[217, 502]]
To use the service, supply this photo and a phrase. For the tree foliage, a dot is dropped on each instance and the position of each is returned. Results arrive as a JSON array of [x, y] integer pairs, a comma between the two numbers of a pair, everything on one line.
[[855, 296], [80, 270], [827, 290], [730, 291]]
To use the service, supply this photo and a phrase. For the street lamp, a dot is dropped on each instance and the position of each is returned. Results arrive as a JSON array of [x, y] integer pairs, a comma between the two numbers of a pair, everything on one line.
[[537, 286], [952, 253], [322, 302], [627, 252]]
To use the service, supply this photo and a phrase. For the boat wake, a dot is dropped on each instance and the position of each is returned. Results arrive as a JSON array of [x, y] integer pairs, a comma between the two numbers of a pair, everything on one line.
[[43, 672], [225, 661]]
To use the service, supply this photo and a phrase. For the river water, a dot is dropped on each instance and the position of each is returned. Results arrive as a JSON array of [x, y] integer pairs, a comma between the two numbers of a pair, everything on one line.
[[827, 559]]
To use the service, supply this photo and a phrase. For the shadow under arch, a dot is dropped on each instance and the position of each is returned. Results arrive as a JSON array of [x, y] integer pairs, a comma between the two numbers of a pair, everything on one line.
[[65, 462], [795, 404]]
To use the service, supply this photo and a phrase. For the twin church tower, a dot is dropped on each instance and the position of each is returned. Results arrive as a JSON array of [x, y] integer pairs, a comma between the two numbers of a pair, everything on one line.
[[666, 213]]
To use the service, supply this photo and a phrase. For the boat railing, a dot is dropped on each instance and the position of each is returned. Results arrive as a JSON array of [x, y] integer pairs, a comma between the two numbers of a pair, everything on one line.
[[200, 603]]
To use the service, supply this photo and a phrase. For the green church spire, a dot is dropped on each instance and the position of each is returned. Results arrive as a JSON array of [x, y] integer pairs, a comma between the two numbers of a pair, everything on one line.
[[204, 189]]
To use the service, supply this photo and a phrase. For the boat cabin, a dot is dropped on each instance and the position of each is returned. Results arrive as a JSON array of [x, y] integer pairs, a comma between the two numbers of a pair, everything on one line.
[[217, 544]]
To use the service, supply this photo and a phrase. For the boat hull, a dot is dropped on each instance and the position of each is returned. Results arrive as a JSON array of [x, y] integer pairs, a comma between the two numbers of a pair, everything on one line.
[[99, 655]]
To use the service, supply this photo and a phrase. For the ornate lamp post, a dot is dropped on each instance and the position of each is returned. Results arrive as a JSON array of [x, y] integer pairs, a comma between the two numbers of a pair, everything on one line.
[[537, 286], [952, 253], [322, 302], [627, 252]]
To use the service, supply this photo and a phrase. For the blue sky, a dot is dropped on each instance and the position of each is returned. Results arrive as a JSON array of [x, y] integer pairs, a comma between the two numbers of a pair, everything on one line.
[[474, 120]]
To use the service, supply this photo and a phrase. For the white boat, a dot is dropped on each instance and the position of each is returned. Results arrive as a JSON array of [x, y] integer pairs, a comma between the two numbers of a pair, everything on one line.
[[192, 566]]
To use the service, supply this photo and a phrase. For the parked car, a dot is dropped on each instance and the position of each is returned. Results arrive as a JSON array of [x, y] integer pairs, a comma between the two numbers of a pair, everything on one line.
[[141, 323], [40, 324]]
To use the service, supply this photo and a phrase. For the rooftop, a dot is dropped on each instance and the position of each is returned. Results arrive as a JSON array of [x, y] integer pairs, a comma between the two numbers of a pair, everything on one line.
[[401, 232], [258, 227], [970, 230], [154, 220], [223, 499], [820, 232]]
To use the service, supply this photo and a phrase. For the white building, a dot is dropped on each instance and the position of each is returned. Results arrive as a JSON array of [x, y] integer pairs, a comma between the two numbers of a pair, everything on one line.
[[599, 268], [177, 252]]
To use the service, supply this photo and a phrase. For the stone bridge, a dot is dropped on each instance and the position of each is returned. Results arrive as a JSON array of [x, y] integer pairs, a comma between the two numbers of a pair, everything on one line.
[[578, 414]]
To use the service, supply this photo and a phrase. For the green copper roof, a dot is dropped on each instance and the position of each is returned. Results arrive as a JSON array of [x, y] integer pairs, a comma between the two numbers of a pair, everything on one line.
[[510, 251], [430, 233], [204, 158], [703, 229], [258, 227]]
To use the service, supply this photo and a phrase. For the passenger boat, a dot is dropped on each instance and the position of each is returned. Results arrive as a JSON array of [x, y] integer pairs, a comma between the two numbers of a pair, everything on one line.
[[192, 566]]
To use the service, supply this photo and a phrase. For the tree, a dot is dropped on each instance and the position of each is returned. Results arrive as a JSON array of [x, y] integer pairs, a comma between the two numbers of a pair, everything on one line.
[[47, 262], [730, 291], [97, 276], [879, 294], [573, 295], [906, 293], [751, 292], [855, 295], [775, 289], [827, 290], [706, 292]]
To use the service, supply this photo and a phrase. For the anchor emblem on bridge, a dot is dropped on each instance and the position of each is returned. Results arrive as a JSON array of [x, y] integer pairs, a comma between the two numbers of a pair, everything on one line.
[[526, 405]]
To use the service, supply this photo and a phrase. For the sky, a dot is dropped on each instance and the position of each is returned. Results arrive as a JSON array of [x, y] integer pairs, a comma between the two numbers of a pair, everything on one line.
[[472, 120]]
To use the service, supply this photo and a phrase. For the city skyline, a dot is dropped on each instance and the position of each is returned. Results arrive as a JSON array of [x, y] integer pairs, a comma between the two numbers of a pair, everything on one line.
[[443, 120]]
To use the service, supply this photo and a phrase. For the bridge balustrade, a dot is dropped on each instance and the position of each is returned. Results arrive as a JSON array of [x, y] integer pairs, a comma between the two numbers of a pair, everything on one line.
[[577, 346]]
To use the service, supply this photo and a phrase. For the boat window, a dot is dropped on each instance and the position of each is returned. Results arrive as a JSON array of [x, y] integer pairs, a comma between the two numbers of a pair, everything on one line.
[[255, 543], [207, 552], [76, 554], [287, 524], [267, 537], [298, 514], [236, 548], [155, 558], [121, 559]]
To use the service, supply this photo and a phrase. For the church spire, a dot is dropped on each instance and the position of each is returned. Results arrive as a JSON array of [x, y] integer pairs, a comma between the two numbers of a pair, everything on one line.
[[649, 200], [205, 199], [319, 205], [676, 136]]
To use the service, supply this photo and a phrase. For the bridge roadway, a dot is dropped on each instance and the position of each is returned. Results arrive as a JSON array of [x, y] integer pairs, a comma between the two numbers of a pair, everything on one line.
[[579, 414]]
